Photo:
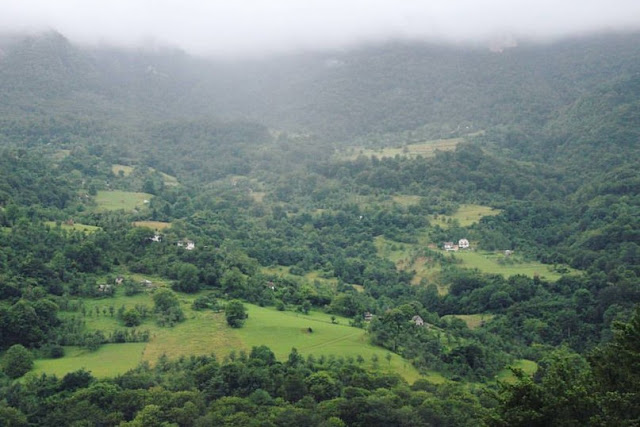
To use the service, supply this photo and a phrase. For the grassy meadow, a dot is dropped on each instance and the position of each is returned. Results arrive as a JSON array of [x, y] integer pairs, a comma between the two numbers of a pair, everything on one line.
[[154, 225], [108, 360], [466, 215], [425, 149], [74, 227], [473, 321], [115, 200], [206, 332], [497, 263], [126, 170], [506, 375]]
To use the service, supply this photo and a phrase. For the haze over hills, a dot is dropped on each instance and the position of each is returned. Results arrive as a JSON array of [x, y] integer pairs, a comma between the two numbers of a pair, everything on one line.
[[384, 88], [447, 212]]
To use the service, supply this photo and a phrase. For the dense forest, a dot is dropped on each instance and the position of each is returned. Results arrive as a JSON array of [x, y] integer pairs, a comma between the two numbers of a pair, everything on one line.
[[294, 184]]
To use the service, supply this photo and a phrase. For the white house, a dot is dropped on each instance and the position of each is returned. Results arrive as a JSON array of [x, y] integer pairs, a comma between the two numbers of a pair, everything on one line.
[[463, 244], [187, 245], [417, 320], [449, 246], [156, 238]]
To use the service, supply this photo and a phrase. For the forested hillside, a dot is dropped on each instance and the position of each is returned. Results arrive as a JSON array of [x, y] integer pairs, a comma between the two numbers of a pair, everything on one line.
[[149, 200]]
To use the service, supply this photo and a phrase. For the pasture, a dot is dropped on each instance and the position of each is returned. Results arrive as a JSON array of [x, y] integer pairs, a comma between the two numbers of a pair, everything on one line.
[[506, 375], [465, 216], [108, 360], [425, 149], [73, 227], [473, 321], [206, 332], [498, 263], [123, 170], [154, 225], [116, 200]]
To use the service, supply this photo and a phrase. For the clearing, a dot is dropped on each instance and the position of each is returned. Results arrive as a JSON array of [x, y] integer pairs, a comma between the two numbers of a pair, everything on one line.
[[528, 366], [498, 263], [74, 227], [466, 215], [206, 332], [108, 360], [425, 149], [115, 200], [473, 321], [154, 225]]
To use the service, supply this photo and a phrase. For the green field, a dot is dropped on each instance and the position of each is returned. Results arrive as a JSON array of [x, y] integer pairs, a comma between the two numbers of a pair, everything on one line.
[[528, 366], [425, 149], [170, 181], [115, 200], [108, 360], [473, 321], [154, 225], [126, 170], [206, 332], [405, 200], [490, 262], [74, 227], [466, 215]]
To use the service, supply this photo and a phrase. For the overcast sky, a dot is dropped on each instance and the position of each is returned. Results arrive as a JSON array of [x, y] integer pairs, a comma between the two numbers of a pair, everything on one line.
[[258, 26]]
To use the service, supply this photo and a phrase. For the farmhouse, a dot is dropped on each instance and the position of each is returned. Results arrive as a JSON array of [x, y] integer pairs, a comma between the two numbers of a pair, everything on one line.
[[449, 246], [104, 288], [368, 317], [463, 244], [417, 320], [156, 238], [187, 245]]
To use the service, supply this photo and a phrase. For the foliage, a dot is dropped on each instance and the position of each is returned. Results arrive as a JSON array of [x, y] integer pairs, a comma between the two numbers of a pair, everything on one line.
[[235, 313], [17, 361]]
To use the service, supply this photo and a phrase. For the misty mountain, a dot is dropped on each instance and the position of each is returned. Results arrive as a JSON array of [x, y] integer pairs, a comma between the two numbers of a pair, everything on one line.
[[336, 95]]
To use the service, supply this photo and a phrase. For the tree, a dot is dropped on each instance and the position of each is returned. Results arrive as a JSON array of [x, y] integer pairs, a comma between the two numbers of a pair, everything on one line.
[[167, 307], [131, 317], [235, 313], [17, 361]]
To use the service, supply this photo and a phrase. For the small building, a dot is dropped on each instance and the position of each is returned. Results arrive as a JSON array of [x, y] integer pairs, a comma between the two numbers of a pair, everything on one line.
[[187, 245], [270, 285], [119, 280], [417, 320], [449, 246], [508, 252], [104, 288], [368, 317], [156, 238], [147, 283], [463, 244]]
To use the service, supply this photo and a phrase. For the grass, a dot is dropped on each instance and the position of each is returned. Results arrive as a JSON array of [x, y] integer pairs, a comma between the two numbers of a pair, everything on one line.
[[528, 366], [126, 170], [206, 332], [404, 200], [108, 360], [154, 225], [74, 227], [170, 181], [282, 271], [115, 200], [408, 256], [425, 149], [489, 262], [473, 321], [466, 215], [281, 331], [258, 196]]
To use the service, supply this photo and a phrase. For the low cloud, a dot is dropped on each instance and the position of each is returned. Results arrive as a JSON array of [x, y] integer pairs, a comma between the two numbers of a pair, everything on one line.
[[248, 27]]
